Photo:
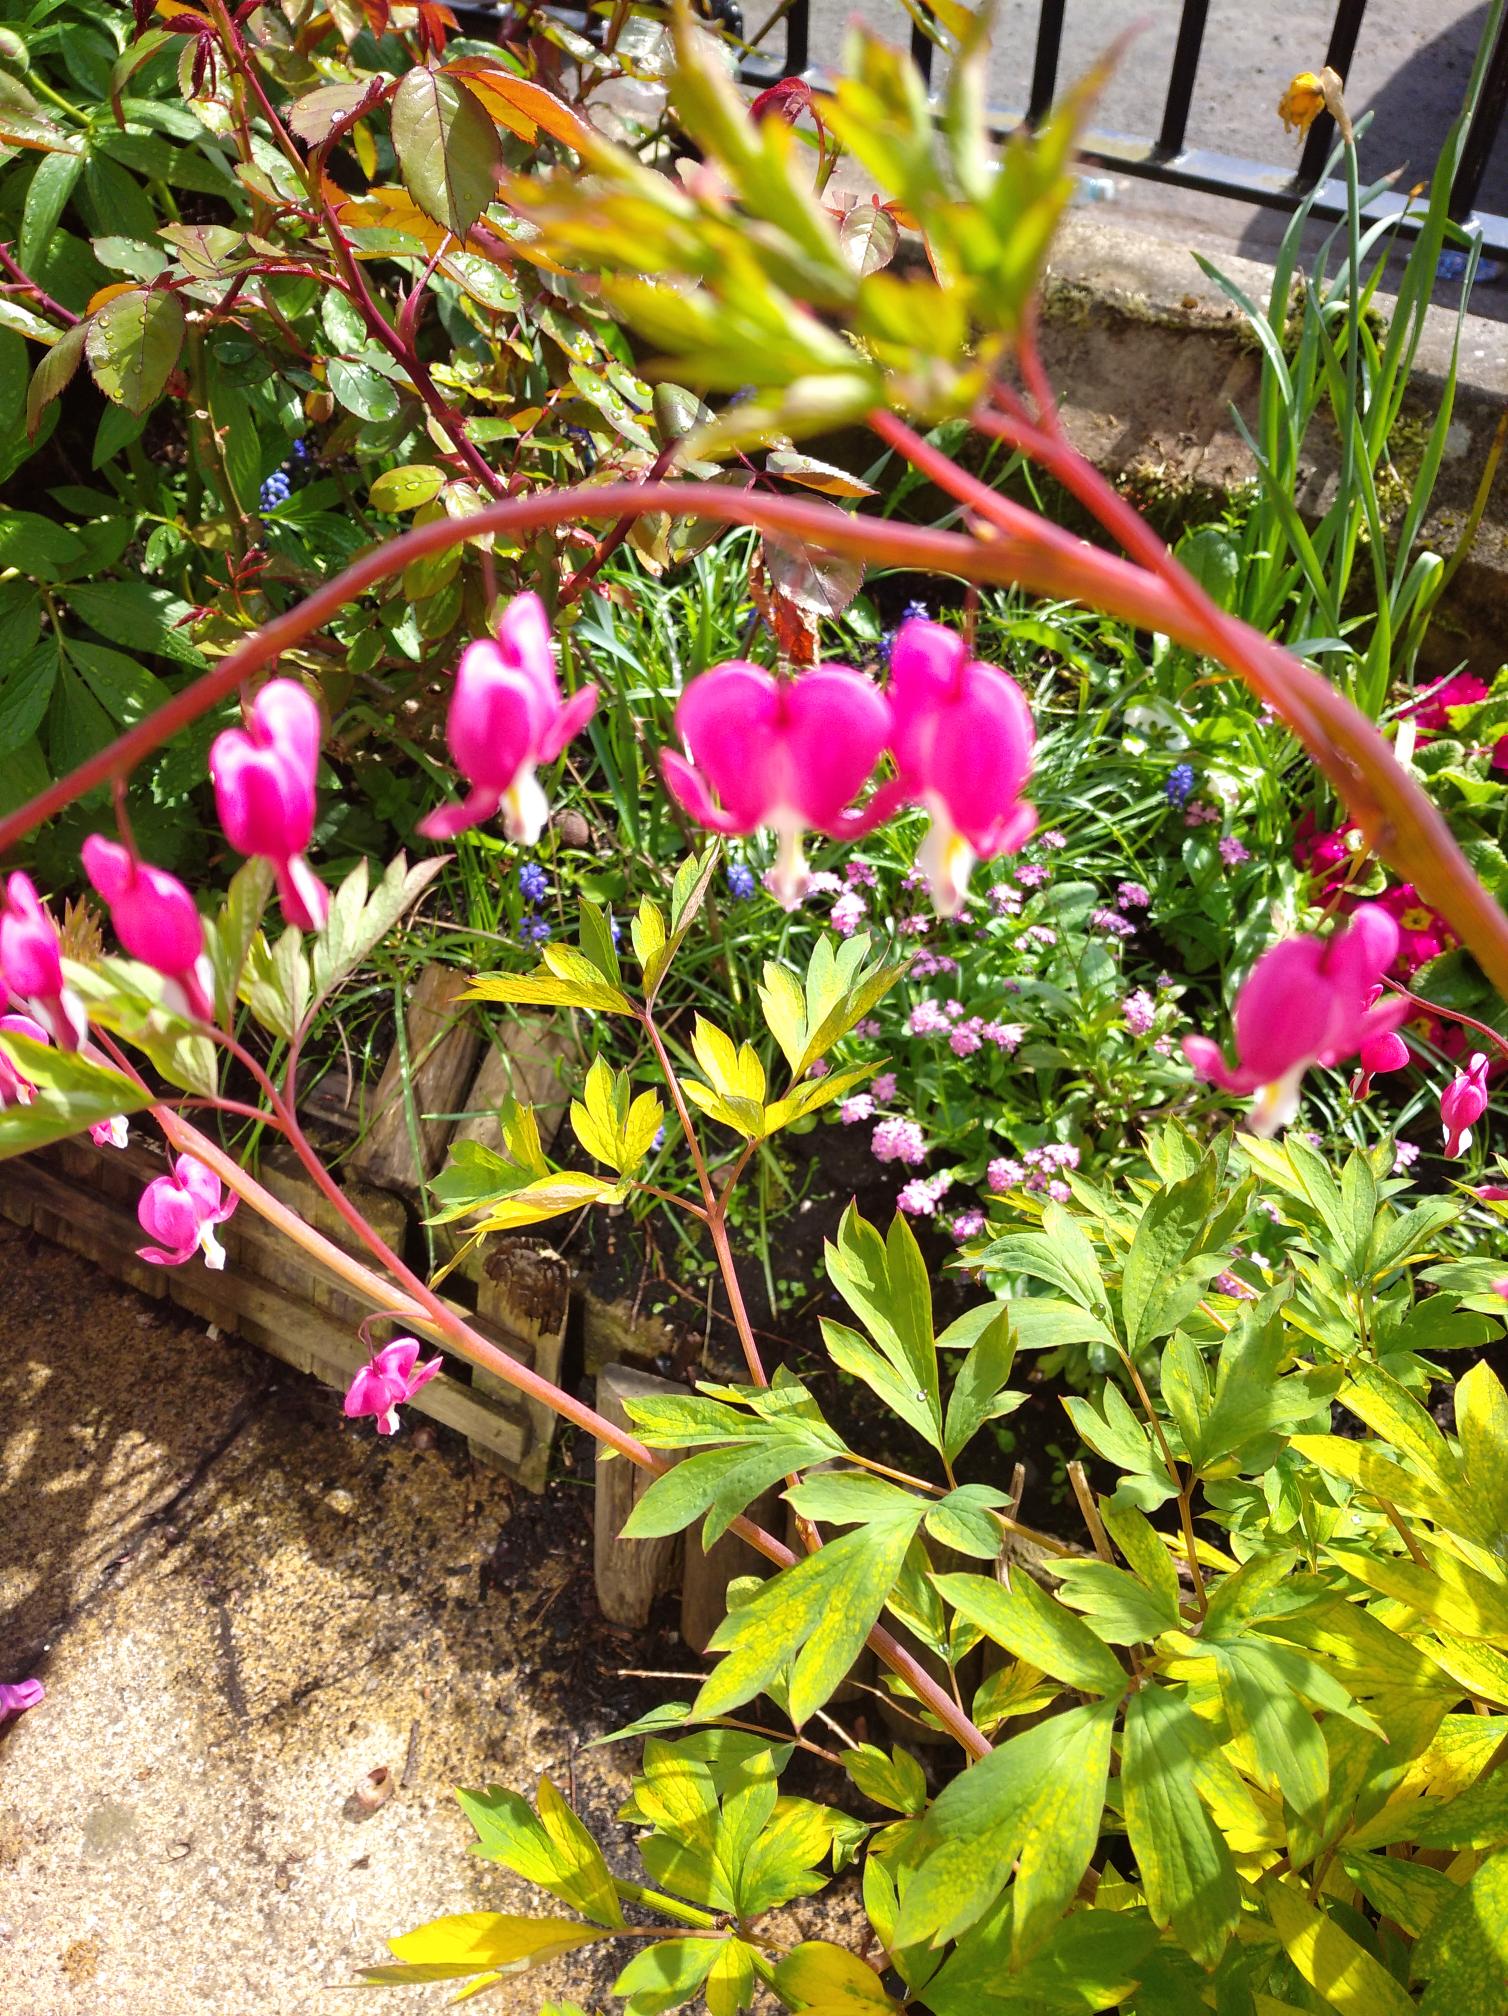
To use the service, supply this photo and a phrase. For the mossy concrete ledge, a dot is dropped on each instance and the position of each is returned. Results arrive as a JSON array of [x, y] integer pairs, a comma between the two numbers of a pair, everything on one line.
[[1150, 357]]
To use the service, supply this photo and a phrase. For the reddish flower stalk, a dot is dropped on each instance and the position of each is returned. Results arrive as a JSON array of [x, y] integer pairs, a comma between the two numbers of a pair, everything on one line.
[[1409, 833]]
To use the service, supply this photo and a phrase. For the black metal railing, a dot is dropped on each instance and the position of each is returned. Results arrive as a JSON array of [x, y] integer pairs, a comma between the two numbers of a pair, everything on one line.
[[1167, 158]]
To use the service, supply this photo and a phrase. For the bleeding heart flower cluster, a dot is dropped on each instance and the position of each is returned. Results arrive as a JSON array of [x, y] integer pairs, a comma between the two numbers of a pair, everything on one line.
[[791, 756]]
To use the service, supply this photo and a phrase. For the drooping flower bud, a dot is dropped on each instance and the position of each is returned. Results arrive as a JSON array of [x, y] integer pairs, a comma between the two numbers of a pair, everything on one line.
[[264, 790], [16, 1089], [507, 717], [155, 920], [31, 965], [1462, 1104]]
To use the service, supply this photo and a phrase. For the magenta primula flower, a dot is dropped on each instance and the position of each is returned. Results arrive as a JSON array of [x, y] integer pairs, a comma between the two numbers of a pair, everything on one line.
[[1306, 1002], [156, 921], [506, 717], [16, 1089], [787, 754], [264, 791], [383, 1384], [31, 964], [1462, 1104], [181, 1212], [963, 749]]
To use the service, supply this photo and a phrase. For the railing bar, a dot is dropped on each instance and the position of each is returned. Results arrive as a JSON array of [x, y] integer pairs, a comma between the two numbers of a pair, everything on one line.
[[798, 29], [1045, 67], [1175, 117], [1338, 58], [1481, 135], [922, 45]]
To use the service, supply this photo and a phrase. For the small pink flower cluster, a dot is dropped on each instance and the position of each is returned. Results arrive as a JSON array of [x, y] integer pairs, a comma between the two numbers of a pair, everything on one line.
[[1112, 923], [968, 1225], [859, 874], [1132, 896], [1044, 1164], [1233, 851], [927, 965], [1004, 900], [927, 1018], [1039, 934], [1231, 1284], [898, 1140], [848, 913], [921, 1196], [1004, 1173], [1139, 1012], [858, 1106], [1032, 874], [1200, 814]]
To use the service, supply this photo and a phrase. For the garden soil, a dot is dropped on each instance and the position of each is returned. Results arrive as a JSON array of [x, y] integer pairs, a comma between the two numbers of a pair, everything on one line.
[[242, 1607]]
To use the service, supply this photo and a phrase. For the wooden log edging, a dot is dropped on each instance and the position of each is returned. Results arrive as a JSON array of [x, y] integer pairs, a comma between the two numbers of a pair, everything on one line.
[[84, 1199]]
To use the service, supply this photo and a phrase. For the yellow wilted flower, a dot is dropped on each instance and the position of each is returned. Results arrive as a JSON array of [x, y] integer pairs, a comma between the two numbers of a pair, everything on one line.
[[1302, 103], [1308, 95]]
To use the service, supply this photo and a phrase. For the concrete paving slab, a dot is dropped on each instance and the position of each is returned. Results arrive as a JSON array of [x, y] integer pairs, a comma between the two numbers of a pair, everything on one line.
[[242, 1607]]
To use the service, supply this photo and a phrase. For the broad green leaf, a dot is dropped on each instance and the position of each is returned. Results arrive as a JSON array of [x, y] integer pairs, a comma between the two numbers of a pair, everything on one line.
[[139, 617], [358, 922], [547, 1197], [1329, 1959], [26, 684], [548, 989], [665, 1975], [597, 942], [979, 1393], [132, 344], [1091, 1960], [71, 1094], [474, 1942], [813, 1616], [1143, 1547], [885, 1284], [126, 690], [447, 147], [1120, 1609], [1166, 1236], [1475, 1818], [228, 939], [553, 1849], [407, 488], [1185, 1866], [729, 1986], [1027, 1621], [896, 1781], [1033, 1806], [965, 1520], [719, 1482], [850, 1497], [851, 1353], [1412, 1893], [1482, 1424], [1464, 1952], [53, 375], [1122, 1439], [819, 1975]]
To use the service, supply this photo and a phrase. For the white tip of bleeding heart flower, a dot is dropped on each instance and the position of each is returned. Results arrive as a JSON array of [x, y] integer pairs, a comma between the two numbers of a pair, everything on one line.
[[947, 860], [789, 879], [1275, 1105], [525, 808]]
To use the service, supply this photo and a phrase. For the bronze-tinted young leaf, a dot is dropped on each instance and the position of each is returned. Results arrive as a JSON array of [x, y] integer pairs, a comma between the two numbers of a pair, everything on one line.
[[447, 148]]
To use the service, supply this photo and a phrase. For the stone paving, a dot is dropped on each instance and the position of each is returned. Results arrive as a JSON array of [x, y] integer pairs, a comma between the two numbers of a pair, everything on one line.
[[241, 1607]]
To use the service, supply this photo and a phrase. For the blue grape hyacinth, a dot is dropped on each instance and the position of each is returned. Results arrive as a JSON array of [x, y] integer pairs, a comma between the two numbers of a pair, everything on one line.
[[533, 882], [741, 883], [1180, 784], [275, 490]]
